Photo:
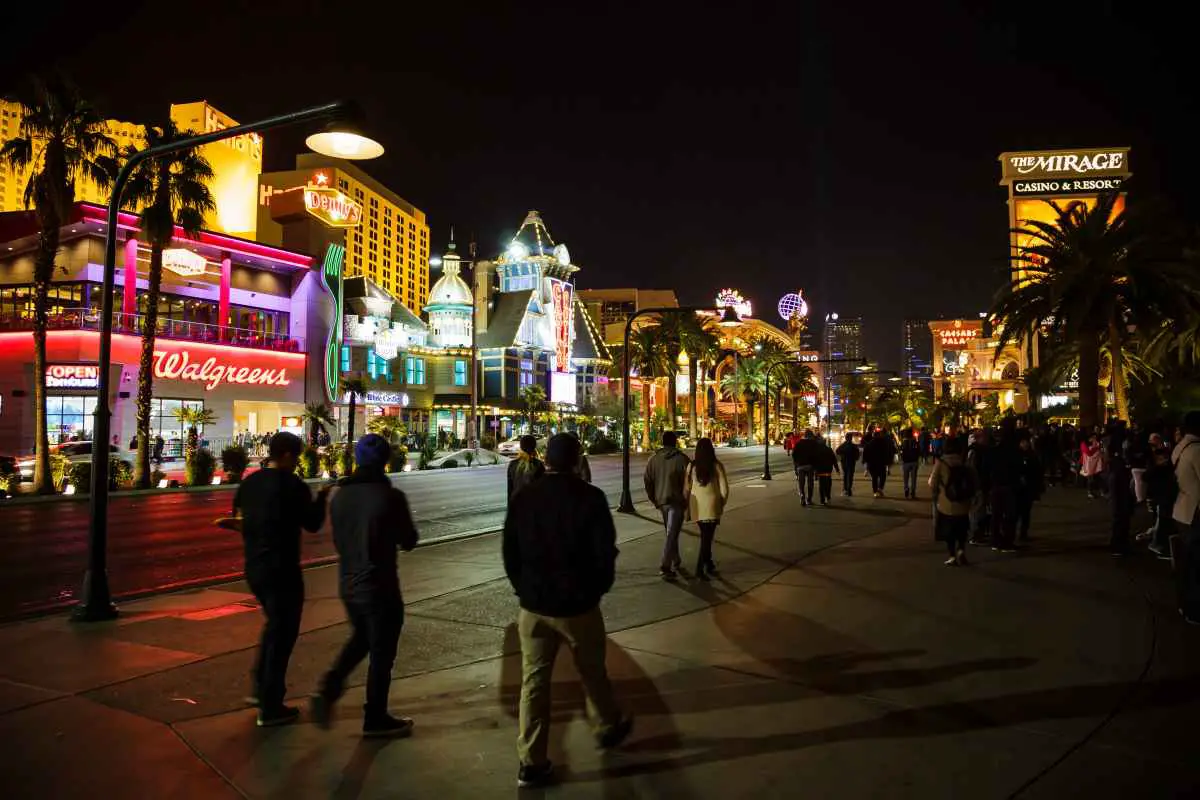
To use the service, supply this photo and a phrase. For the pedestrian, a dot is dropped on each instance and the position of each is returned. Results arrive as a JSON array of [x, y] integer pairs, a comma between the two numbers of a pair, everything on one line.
[[370, 519], [274, 504], [924, 444], [560, 552], [910, 461], [804, 454], [664, 477], [1186, 460], [159, 444], [825, 463], [1120, 495], [525, 468], [979, 451], [133, 443], [878, 454], [1004, 473], [707, 491], [583, 469], [1161, 492], [954, 485], [1091, 465], [936, 445], [1030, 483], [848, 454]]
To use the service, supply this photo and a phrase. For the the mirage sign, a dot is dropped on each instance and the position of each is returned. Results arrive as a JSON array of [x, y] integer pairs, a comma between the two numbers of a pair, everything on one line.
[[1066, 164]]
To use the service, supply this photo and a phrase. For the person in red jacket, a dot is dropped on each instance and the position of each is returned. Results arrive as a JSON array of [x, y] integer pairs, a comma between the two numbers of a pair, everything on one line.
[[789, 442]]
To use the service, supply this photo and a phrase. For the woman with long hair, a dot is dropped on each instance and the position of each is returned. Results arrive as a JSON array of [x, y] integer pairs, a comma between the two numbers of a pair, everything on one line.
[[706, 490]]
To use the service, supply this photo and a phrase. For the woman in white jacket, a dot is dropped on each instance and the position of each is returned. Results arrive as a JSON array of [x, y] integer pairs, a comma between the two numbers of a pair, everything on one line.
[[1186, 458], [707, 490]]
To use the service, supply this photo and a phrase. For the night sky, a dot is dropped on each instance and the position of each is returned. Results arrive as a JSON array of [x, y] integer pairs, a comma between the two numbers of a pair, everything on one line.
[[849, 151]]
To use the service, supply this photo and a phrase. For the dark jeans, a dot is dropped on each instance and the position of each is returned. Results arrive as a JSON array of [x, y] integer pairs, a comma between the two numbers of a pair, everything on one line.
[[825, 482], [708, 531], [1024, 514], [848, 477], [954, 530], [1163, 528], [878, 476], [804, 476], [1004, 516], [376, 633], [1095, 484], [282, 601], [1187, 569], [909, 473]]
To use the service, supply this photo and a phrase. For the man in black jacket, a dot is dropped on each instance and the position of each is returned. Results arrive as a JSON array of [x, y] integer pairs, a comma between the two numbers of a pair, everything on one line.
[[848, 454], [370, 520], [274, 504], [560, 555], [804, 457]]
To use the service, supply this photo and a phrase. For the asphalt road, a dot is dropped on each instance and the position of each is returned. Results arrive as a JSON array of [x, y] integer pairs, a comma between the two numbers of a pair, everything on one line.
[[165, 541]]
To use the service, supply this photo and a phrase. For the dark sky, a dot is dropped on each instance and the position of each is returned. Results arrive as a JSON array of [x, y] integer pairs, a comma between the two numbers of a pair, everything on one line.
[[845, 148]]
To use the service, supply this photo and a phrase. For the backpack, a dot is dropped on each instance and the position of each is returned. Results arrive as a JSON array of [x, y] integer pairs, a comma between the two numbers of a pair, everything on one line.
[[960, 486]]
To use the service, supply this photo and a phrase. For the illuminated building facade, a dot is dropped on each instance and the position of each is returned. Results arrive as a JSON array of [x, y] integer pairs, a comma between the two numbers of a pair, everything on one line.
[[966, 364], [390, 246], [843, 340], [610, 308], [236, 165], [917, 352]]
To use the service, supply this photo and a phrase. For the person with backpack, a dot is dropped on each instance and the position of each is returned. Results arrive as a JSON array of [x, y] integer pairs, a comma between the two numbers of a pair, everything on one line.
[[910, 461], [954, 484], [848, 455]]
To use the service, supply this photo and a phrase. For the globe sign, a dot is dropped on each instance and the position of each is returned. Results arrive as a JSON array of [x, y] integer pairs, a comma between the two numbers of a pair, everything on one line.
[[792, 305]]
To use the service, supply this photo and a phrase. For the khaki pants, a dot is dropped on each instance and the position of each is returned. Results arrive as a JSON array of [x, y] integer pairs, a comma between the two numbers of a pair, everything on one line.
[[540, 640]]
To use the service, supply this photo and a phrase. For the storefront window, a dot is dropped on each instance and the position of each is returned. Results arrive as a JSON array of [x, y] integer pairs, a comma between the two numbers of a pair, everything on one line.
[[378, 366], [165, 423], [345, 358], [70, 418], [460, 372], [414, 371]]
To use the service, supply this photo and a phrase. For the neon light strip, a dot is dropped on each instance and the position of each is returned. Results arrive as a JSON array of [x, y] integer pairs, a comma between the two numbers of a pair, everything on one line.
[[183, 343], [332, 271]]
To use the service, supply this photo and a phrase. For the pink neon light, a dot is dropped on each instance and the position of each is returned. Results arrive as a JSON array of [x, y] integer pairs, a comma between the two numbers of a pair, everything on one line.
[[179, 366], [122, 340]]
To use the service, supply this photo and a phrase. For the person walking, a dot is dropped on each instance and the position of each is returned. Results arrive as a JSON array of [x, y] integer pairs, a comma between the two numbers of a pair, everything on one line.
[[1161, 492], [1030, 483], [707, 491], [1091, 465], [979, 454], [878, 454], [825, 463], [954, 485], [848, 455], [274, 504], [370, 519], [560, 553], [804, 453], [159, 444], [1120, 496], [525, 468], [910, 462], [1004, 472], [1186, 458], [663, 479]]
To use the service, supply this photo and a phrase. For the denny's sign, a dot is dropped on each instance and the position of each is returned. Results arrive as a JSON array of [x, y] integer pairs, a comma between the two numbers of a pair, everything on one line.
[[332, 207]]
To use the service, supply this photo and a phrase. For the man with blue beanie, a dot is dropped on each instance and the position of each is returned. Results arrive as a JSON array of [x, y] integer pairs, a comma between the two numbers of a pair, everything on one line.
[[370, 520]]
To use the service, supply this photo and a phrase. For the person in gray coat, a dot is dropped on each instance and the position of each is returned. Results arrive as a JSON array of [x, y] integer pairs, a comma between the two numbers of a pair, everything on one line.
[[664, 479]]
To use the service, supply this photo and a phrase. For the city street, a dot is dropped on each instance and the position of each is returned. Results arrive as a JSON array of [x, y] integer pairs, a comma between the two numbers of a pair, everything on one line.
[[159, 541]]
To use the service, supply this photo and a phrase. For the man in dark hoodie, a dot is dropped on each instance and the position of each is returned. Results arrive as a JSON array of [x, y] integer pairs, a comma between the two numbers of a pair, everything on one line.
[[664, 477], [274, 504], [804, 458], [560, 553], [370, 520], [848, 455]]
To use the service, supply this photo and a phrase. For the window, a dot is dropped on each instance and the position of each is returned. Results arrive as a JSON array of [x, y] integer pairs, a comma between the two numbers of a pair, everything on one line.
[[378, 366], [460, 372], [67, 417], [414, 371], [345, 358]]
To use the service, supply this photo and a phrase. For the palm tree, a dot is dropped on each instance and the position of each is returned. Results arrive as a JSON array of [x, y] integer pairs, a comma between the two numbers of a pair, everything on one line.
[[748, 380], [856, 395], [796, 378], [60, 140], [648, 357], [171, 190], [534, 397], [1089, 276], [318, 415], [352, 387], [195, 417], [670, 330], [388, 426], [702, 344]]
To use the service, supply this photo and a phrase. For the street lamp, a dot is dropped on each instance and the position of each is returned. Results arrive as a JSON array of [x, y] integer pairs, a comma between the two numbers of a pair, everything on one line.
[[340, 139], [728, 319]]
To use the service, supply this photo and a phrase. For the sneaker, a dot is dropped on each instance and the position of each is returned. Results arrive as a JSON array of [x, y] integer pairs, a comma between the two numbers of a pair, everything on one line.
[[251, 700], [978, 540], [615, 735], [667, 574], [283, 715], [1160, 553], [387, 725], [533, 776], [320, 708], [1143, 536], [952, 561]]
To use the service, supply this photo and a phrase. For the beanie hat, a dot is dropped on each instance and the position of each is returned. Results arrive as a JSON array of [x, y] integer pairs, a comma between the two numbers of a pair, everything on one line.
[[562, 452], [372, 450]]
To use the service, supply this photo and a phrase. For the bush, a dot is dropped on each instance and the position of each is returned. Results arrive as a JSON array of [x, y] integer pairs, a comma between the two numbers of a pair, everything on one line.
[[338, 460], [449, 463], [310, 463], [234, 461], [488, 441], [399, 458], [120, 473], [200, 468], [79, 475], [603, 445], [58, 469]]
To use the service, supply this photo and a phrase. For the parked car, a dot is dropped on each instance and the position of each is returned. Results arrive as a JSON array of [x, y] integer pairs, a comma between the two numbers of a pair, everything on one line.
[[75, 452], [513, 446], [485, 458]]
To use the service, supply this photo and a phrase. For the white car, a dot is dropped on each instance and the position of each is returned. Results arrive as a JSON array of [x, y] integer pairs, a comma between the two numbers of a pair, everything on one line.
[[75, 452], [513, 446], [484, 458]]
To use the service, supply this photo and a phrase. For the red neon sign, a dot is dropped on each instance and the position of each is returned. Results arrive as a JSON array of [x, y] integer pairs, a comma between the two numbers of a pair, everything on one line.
[[212, 373], [72, 376], [562, 325]]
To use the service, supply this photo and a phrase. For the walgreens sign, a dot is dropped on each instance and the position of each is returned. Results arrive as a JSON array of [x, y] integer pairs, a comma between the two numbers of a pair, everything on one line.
[[213, 371]]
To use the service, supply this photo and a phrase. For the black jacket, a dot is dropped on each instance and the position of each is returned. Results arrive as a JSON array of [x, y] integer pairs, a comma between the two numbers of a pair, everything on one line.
[[522, 472], [370, 519], [824, 461], [879, 452], [274, 506], [805, 452], [848, 454], [560, 546], [910, 452]]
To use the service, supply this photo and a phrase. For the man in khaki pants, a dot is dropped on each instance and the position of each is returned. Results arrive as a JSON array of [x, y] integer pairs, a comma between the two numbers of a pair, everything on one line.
[[560, 555]]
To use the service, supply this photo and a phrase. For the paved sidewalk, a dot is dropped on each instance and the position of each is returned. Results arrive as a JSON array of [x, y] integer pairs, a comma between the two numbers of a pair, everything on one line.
[[835, 656]]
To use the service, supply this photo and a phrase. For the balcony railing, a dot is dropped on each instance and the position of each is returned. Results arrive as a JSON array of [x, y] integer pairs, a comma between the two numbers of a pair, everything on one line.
[[134, 324]]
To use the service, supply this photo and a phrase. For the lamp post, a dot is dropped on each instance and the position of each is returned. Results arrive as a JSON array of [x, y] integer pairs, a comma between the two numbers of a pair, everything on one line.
[[336, 140], [728, 319], [766, 473]]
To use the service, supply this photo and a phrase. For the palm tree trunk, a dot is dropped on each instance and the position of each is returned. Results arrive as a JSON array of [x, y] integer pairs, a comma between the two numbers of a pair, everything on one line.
[[645, 414], [1089, 379], [1120, 391], [692, 391], [145, 395], [673, 392], [350, 424], [43, 480]]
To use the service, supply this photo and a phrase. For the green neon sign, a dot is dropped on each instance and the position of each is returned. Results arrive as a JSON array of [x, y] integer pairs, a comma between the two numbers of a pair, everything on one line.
[[331, 275]]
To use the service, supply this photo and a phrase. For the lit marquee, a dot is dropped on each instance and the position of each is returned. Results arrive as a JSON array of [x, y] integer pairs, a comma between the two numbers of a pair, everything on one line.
[[184, 262], [733, 298]]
